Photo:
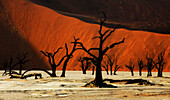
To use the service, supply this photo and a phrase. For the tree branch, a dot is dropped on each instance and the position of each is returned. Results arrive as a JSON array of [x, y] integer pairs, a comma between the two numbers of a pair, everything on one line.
[[109, 34], [66, 49], [112, 45], [93, 49], [57, 51], [83, 48], [44, 53]]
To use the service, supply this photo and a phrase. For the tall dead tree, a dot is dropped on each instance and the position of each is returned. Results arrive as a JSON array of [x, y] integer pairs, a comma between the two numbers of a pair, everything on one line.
[[141, 66], [21, 61], [52, 62], [68, 56], [131, 67], [160, 63], [98, 58], [150, 65]]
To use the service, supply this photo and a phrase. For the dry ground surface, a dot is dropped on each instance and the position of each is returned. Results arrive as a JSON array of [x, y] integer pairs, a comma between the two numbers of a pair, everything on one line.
[[70, 87]]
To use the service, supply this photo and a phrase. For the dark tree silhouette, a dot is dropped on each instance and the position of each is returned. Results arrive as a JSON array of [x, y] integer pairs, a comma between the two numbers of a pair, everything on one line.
[[130, 67], [106, 67], [93, 67], [160, 63], [5, 66], [97, 59], [85, 66], [52, 61], [22, 61], [141, 66], [82, 65], [111, 62], [22, 76], [68, 56], [116, 69], [150, 65], [8, 64]]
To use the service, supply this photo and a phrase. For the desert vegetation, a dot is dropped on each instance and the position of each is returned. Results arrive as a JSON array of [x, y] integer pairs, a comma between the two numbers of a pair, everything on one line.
[[94, 61]]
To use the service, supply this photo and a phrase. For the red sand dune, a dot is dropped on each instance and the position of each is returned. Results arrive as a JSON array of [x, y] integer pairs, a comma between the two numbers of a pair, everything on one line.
[[28, 27]]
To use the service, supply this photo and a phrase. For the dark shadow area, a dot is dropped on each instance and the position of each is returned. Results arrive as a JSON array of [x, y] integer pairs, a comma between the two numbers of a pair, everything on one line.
[[132, 81], [12, 44], [152, 16]]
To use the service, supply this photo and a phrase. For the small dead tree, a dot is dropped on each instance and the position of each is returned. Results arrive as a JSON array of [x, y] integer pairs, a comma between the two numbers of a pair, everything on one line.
[[5, 66], [116, 69], [98, 58], [141, 66], [150, 65], [115, 64], [93, 70], [109, 64], [85, 66], [106, 67], [131, 67], [68, 56], [82, 65], [8, 64], [160, 63], [52, 62], [22, 61]]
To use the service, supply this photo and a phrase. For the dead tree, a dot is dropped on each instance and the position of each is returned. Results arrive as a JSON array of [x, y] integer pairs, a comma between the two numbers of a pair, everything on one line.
[[52, 61], [5, 66], [150, 65], [106, 67], [98, 58], [116, 69], [83, 66], [160, 63], [93, 70], [130, 67], [111, 62], [9, 67], [22, 61], [68, 56], [34, 69], [141, 66], [114, 61]]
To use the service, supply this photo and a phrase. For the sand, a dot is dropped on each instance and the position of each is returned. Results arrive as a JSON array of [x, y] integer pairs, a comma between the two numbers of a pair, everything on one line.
[[70, 87]]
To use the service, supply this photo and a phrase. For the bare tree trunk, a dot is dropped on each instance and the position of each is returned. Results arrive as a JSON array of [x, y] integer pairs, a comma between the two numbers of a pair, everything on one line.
[[53, 71], [20, 70], [110, 70], [159, 73], [93, 70], [132, 73], [140, 71], [64, 67], [98, 78]]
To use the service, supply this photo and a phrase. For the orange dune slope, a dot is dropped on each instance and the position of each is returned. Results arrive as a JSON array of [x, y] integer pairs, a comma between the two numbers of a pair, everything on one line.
[[28, 27]]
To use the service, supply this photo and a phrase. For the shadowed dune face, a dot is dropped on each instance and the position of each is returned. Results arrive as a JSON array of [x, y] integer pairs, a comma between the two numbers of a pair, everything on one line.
[[39, 28], [150, 15]]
